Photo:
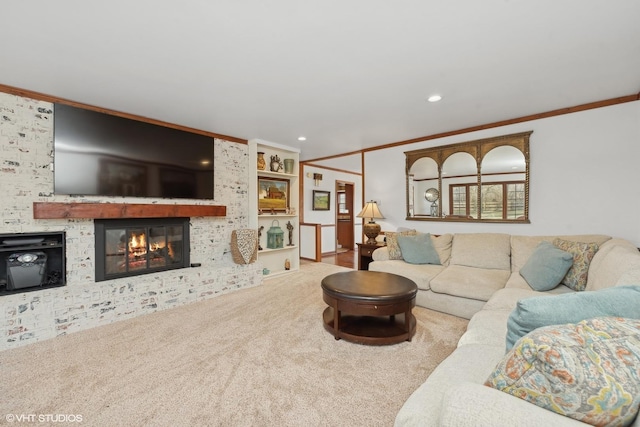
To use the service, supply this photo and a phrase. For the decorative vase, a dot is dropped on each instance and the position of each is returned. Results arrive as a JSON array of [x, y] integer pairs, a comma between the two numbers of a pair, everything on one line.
[[276, 163], [262, 164], [288, 166]]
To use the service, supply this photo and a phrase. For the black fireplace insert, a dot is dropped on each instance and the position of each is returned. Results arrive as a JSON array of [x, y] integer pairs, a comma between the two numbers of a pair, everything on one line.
[[130, 247]]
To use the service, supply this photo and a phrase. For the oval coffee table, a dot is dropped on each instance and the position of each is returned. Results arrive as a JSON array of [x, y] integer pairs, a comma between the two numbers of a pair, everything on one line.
[[369, 307]]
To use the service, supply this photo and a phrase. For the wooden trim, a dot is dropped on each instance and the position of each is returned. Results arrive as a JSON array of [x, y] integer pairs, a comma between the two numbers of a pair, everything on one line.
[[330, 168], [538, 116], [335, 156], [318, 234], [48, 98], [51, 210]]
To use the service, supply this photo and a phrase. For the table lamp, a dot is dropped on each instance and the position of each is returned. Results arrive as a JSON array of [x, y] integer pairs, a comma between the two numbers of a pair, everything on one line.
[[371, 229]]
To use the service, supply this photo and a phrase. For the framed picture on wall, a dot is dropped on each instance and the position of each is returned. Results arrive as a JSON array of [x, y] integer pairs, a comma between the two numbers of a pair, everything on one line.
[[273, 194], [321, 200]]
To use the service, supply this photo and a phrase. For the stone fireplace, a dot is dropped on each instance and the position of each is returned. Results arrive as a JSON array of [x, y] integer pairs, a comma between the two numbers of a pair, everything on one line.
[[131, 247], [30, 206]]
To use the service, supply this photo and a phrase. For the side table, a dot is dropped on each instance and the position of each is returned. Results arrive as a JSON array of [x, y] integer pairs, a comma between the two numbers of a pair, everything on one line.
[[365, 252]]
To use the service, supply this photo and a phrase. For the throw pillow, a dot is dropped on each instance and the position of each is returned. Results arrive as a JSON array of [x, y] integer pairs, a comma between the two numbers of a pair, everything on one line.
[[546, 267], [583, 253], [536, 312], [418, 249], [588, 371], [392, 242]]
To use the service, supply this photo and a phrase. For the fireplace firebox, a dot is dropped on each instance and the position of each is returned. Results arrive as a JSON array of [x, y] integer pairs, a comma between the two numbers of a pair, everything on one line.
[[131, 247]]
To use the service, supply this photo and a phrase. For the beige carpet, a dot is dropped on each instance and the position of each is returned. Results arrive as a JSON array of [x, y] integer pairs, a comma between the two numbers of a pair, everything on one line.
[[254, 357]]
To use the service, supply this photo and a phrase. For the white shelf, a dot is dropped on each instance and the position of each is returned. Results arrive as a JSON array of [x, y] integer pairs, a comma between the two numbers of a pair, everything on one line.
[[274, 259], [268, 215], [276, 174], [266, 250], [273, 274]]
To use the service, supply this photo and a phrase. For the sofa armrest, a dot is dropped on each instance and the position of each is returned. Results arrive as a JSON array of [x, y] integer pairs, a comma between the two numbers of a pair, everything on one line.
[[381, 254], [471, 404]]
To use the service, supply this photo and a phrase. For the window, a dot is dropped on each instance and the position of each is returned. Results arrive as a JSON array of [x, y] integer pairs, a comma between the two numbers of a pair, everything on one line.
[[342, 202], [500, 200]]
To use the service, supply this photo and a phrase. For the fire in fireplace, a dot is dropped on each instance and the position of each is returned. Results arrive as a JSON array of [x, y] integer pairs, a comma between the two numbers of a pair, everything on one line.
[[129, 247]]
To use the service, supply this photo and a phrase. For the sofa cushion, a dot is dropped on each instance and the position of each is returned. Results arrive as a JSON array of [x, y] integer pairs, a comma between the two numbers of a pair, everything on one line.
[[468, 363], [470, 405], [536, 312], [482, 250], [442, 243], [421, 274], [546, 267], [583, 253], [381, 254], [392, 242], [469, 282], [523, 246], [610, 263], [517, 281], [418, 249], [585, 371], [487, 327], [507, 298]]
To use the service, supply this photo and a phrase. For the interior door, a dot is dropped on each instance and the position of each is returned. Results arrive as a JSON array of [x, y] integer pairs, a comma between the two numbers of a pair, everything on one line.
[[345, 215]]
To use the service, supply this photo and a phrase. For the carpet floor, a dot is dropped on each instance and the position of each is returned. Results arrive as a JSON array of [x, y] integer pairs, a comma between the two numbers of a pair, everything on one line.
[[253, 357]]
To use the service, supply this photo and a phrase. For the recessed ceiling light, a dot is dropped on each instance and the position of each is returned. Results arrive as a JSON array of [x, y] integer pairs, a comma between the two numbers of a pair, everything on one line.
[[434, 98], [302, 138]]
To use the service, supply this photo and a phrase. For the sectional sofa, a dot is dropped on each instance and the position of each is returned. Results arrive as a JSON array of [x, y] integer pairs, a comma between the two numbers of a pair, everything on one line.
[[479, 278]]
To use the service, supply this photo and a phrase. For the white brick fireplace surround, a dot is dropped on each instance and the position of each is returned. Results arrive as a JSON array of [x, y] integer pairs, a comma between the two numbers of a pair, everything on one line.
[[26, 147]]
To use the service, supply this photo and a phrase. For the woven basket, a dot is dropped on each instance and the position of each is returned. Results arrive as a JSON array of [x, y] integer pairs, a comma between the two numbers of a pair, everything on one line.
[[244, 246]]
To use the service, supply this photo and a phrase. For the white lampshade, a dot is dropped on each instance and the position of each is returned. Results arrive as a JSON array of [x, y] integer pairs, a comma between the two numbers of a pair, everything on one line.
[[371, 211]]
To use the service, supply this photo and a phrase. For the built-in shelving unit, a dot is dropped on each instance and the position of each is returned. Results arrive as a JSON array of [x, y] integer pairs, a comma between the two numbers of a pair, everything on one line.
[[274, 259]]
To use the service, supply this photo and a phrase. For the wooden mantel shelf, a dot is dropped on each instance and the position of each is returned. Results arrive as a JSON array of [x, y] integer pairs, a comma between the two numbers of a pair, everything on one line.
[[52, 210]]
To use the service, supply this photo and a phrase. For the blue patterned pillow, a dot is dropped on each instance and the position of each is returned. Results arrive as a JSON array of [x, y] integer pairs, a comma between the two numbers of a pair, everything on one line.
[[586, 371], [583, 253]]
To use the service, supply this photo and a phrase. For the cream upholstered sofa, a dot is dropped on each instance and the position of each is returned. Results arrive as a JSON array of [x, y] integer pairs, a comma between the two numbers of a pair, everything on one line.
[[479, 279]]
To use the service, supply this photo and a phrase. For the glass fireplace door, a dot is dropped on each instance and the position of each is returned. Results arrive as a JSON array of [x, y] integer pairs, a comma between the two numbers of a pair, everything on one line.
[[140, 246]]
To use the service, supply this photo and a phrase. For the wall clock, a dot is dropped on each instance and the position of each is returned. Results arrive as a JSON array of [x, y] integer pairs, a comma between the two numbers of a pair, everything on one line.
[[432, 195]]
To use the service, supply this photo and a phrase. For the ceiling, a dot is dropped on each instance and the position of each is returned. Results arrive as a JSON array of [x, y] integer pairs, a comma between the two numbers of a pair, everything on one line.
[[346, 74]]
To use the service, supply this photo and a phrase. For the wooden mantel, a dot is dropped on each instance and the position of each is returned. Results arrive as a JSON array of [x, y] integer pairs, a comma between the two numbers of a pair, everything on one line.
[[52, 210]]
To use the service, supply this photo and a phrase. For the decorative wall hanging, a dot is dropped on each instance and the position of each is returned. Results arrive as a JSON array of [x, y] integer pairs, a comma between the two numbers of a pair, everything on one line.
[[321, 200], [244, 246]]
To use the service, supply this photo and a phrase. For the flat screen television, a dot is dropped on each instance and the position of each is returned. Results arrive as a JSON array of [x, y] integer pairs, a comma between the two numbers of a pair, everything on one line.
[[99, 154]]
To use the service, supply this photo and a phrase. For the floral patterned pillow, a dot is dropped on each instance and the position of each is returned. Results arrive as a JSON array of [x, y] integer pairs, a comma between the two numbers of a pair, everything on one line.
[[576, 277], [392, 242], [586, 371]]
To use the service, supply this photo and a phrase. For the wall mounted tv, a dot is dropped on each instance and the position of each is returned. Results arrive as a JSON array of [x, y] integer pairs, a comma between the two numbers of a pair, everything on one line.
[[100, 154]]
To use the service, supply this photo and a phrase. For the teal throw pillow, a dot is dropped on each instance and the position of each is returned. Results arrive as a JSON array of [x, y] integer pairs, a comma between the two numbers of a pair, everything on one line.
[[546, 267], [536, 312], [418, 249]]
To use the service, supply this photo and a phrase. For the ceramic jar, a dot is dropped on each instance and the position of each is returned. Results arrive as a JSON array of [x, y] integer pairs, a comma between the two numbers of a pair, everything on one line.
[[262, 164], [288, 166]]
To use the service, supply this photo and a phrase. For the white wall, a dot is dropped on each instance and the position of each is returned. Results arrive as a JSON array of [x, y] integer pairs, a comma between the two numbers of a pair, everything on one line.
[[328, 218], [585, 175]]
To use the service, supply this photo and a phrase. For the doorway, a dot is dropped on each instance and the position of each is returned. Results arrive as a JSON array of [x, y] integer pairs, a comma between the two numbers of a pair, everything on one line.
[[344, 216]]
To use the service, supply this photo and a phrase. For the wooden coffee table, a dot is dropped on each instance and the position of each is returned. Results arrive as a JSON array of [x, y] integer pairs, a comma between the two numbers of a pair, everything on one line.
[[369, 307]]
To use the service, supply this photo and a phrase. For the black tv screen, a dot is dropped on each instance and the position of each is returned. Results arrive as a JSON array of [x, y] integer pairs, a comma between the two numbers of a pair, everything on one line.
[[105, 155]]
